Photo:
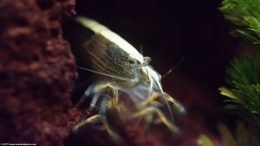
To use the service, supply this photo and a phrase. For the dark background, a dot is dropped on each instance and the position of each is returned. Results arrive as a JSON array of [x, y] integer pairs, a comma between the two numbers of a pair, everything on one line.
[[168, 31]]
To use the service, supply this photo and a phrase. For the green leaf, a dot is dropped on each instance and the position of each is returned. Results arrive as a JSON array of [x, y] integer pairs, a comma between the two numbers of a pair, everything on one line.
[[246, 15], [244, 135], [204, 140], [226, 92], [243, 75]]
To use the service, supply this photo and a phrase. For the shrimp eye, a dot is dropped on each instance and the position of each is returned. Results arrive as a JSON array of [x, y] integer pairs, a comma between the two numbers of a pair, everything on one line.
[[147, 61], [132, 61]]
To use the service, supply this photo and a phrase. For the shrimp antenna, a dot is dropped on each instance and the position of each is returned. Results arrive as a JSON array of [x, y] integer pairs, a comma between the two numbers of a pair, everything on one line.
[[103, 74], [174, 67]]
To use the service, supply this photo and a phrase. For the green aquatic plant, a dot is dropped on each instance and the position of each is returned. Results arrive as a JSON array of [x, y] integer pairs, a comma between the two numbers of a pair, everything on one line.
[[245, 14]]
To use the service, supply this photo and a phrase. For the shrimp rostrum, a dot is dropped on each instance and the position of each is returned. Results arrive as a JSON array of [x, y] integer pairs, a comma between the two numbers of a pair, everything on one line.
[[119, 69]]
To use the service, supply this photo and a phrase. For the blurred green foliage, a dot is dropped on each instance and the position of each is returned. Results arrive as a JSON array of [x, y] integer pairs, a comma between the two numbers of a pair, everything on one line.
[[243, 74], [243, 77], [246, 15], [244, 135]]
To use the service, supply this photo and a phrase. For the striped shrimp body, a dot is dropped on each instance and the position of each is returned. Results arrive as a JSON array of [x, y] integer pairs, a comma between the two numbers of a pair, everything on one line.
[[111, 56], [119, 67]]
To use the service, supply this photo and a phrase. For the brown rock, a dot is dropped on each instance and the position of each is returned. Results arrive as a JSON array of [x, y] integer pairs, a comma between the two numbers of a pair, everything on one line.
[[37, 71]]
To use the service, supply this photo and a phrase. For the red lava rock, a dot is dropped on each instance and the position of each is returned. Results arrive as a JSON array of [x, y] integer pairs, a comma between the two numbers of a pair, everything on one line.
[[37, 71], [75, 117]]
